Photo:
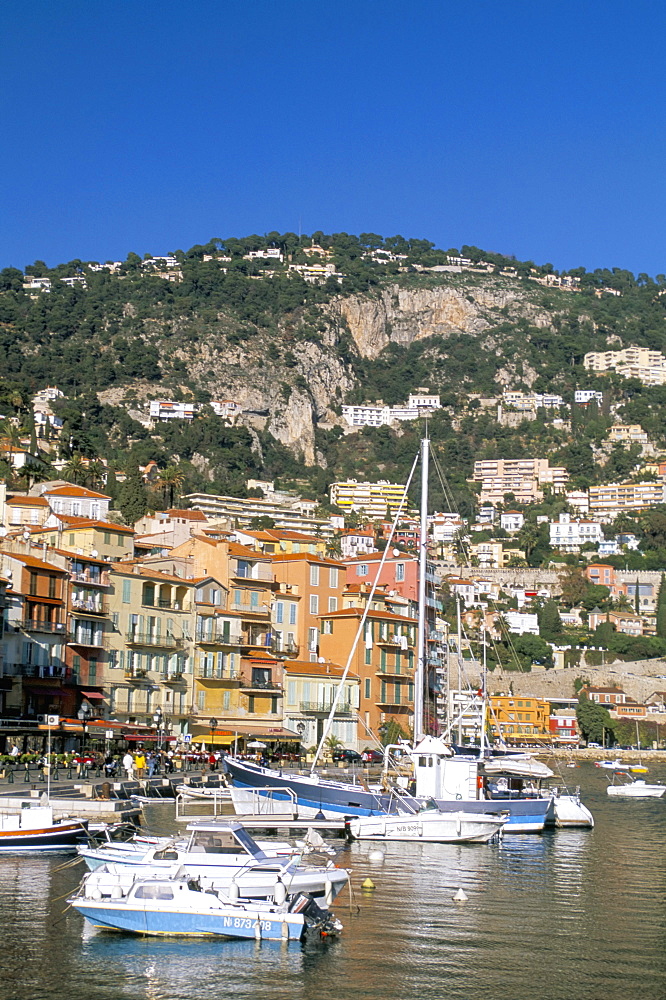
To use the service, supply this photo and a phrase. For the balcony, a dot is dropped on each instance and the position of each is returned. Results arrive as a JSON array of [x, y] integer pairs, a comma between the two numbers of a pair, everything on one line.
[[163, 603], [152, 639], [86, 606], [247, 608], [262, 687], [32, 670], [211, 674], [394, 641], [100, 581], [284, 648], [38, 625], [258, 572], [134, 674], [321, 708], [173, 677], [396, 702], [220, 639], [405, 674], [93, 639]]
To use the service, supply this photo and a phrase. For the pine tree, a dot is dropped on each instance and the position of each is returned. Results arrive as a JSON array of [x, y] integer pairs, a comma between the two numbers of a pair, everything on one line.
[[661, 608], [132, 498], [637, 598]]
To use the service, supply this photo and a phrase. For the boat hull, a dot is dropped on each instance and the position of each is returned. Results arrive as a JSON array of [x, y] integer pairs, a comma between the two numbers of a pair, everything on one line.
[[636, 791], [181, 923], [455, 828], [315, 798], [525, 815], [568, 812], [59, 838]]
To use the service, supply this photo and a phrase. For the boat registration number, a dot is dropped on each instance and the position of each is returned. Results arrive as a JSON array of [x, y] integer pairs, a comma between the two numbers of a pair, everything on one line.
[[246, 923], [409, 828]]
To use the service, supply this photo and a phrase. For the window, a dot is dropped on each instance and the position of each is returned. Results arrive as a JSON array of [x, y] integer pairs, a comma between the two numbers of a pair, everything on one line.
[[313, 639], [333, 579], [121, 540], [115, 618], [92, 671], [314, 604], [279, 612], [226, 699], [254, 598], [368, 655], [33, 584], [314, 576], [367, 687], [362, 569], [127, 591], [107, 537], [71, 538], [399, 572], [291, 692], [52, 586], [327, 627], [292, 614], [332, 604], [201, 700], [113, 659]]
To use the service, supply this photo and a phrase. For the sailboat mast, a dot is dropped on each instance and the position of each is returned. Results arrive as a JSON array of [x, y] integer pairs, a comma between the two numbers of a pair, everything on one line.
[[419, 679]]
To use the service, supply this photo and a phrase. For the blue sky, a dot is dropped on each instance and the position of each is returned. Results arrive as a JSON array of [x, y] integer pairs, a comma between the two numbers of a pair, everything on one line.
[[532, 129]]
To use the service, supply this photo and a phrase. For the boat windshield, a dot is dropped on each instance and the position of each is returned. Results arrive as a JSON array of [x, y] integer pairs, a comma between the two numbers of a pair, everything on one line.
[[225, 842]]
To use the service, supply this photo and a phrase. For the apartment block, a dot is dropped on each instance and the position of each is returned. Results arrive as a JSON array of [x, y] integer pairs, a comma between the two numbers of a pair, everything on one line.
[[631, 362], [376, 500], [519, 720], [627, 433], [612, 498], [524, 477], [310, 689]]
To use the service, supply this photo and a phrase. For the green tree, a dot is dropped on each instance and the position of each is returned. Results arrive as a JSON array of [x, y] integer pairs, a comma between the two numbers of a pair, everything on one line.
[[661, 608], [594, 721], [550, 623], [132, 498], [574, 585]]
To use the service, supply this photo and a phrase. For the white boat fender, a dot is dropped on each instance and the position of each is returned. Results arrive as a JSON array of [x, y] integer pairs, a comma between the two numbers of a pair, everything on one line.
[[460, 897], [458, 824], [279, 892], [96, 894], [328, 891], [234, 891], [117, 892], [285, 930], [257, 930], [376, 856]]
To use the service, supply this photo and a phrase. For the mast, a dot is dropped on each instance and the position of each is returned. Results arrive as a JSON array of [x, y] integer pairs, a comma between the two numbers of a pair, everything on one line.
[[420, 677], [459, 668], [483, 696]]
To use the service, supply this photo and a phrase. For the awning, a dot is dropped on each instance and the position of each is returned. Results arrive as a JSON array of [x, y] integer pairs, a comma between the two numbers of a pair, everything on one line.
[[93, 695], [243, 730]]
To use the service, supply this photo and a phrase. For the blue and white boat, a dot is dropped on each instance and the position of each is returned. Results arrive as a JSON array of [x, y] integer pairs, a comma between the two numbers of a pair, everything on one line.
[[226, 855], [178, 906]]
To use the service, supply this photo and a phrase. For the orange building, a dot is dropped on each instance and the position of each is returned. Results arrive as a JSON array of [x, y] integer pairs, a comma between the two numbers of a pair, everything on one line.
[[384, 660], [319, 583]]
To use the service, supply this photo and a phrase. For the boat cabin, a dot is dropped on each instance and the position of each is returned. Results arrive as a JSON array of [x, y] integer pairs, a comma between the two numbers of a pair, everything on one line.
[[212, 838]]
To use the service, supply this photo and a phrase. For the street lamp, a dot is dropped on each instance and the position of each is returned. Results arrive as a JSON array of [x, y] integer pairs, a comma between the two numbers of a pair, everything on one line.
[[213, 726], [157, 719], [85, 715]]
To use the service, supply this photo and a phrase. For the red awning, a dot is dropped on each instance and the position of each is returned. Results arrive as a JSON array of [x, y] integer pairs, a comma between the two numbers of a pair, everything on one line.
[[92, 695]]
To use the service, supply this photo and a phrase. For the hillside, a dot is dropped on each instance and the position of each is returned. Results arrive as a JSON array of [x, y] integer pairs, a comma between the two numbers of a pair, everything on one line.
[[290, 352]]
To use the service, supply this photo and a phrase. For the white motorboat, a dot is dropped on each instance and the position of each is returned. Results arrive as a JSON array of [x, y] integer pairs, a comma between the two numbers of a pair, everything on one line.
[[204, 793], [430, 825], [225, 853], [156, 905], [636, 789], [567, 810]]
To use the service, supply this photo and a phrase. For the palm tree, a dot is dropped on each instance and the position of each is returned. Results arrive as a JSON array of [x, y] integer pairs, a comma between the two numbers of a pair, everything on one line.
[[94, 476], [76, 469], [11, 436], [171, 481]]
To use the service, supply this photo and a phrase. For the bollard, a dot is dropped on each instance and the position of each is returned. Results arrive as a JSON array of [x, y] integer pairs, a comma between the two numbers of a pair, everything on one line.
[[70, 771], [84, 772], [42, 776], [10, 776], [26, 776], [98, 771], [56, 773]]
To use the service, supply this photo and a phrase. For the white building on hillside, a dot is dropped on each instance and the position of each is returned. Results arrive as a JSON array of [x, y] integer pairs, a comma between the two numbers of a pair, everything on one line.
[[568, 534]]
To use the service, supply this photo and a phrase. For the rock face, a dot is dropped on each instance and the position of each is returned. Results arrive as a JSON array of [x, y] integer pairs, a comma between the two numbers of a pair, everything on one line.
[[288, 384], [403, 315]]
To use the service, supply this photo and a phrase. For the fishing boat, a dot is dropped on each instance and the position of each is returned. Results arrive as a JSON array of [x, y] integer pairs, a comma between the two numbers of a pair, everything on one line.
[[225, 853], [636, 788], [36, 830], [178, 906]]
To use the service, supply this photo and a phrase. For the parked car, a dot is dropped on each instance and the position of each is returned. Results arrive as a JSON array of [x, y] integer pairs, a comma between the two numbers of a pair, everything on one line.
[[346, 756], [372, 757]]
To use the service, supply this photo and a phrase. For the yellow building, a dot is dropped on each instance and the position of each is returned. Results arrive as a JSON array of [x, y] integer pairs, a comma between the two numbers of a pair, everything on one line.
[[100, 539], [310, 689], [517, 719], [376, 500]]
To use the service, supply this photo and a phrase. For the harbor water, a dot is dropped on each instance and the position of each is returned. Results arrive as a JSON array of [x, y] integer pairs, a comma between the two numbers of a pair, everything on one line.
[[568, 914]]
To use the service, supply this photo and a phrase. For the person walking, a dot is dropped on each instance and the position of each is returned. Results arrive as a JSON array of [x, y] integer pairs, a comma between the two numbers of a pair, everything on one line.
[[128, 764]]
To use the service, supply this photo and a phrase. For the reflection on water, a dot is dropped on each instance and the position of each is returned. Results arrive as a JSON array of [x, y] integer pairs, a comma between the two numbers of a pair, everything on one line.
[[572, 913]]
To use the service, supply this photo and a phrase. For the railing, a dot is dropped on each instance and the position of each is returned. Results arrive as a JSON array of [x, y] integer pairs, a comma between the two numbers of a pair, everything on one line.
[[342, 708], [395, 672], [211, 674], [135, 674], [152, 639], [37, 625], [257, 572], [220, 639], [79, 638], [89, 607], [102, 581], [246, 606], [286, 648], [32, 670], [260, 686], [173, 677]]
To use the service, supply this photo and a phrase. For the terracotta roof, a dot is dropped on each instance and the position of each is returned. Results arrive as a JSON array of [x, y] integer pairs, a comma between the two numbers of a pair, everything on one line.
[[306, 557], [74, 491], [31, 561], [26, 501], [189, 515], [236, 549], [86, 522]]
